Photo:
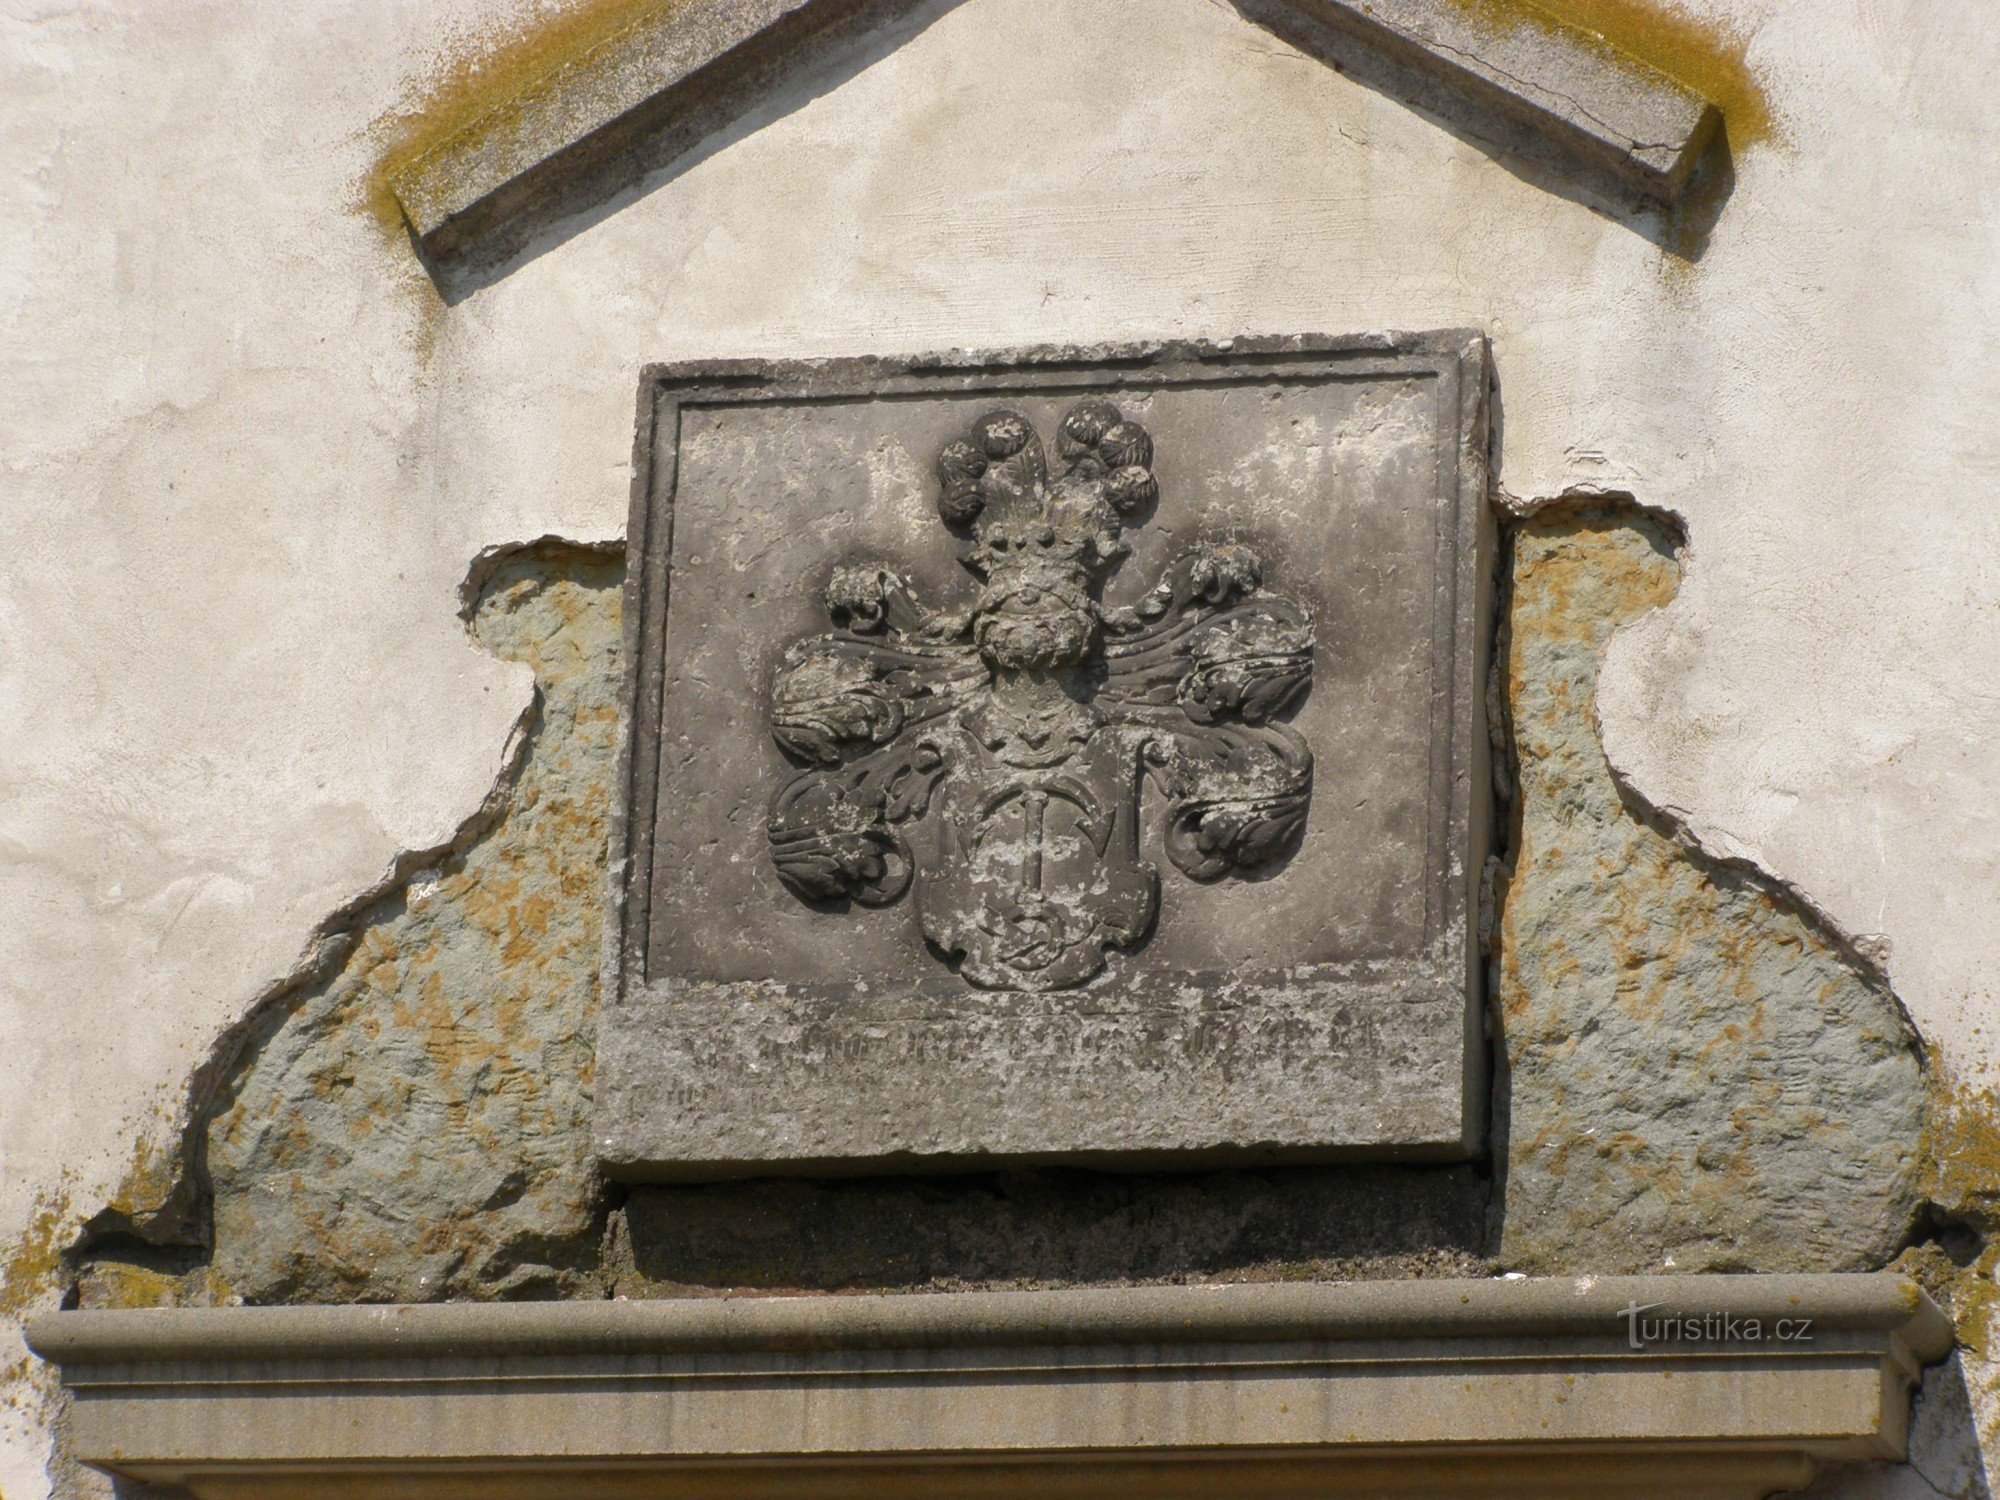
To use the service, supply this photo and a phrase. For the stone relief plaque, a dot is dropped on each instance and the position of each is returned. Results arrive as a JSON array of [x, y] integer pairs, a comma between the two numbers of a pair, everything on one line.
[[1065, 755]]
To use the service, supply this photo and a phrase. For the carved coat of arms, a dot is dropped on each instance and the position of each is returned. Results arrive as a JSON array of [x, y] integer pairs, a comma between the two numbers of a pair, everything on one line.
[[995, 757]]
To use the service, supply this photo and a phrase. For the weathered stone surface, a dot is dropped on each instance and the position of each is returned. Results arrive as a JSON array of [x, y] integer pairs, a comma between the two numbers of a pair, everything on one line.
[[1515, 76], [309, 1205], [996, 761], [1152, 841], [1696, 1074], [1449, 1388], [415, 1127], [1055, 1229], [655, 51]]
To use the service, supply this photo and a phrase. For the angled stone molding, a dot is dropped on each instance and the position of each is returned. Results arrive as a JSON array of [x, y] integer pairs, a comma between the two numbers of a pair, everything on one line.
[[1509, 75], [1724, 1386], [571, 136], [1501, 72]]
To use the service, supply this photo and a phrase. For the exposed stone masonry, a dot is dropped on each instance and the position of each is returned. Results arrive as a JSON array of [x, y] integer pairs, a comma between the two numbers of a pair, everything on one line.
[[416, 1127], [1698, 1077], [1697, 1074]]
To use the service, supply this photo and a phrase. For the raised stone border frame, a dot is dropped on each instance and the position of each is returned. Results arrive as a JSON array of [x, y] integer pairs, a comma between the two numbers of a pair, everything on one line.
[[1429, 1105]]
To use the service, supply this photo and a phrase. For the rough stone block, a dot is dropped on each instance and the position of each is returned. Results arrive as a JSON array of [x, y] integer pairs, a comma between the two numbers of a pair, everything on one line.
[[414, 1123]]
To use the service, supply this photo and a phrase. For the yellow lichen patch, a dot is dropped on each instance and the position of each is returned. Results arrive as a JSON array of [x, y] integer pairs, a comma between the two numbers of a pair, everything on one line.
[[1706, 57], [1962, 1147], [482, 84], [1703, 55], [149, 1180], [35, 1262], [120, 1284], [1961, 1166]]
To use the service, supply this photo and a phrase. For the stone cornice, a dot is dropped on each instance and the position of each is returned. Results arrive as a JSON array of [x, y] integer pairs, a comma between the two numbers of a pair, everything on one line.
[[1302, 1388], [1561, 99]]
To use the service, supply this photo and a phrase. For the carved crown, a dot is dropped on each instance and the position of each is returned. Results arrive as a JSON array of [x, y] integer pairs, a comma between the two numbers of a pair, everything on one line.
[[995, 482]]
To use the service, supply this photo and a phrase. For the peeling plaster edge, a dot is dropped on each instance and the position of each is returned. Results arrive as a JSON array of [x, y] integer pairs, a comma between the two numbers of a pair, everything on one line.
[[1865, 953], [1860, 955], [178, 1217], [1515, 508], [488, 561]]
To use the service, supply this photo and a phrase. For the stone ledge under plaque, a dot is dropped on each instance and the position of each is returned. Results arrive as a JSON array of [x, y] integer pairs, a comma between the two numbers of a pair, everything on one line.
[[1725, 1386]]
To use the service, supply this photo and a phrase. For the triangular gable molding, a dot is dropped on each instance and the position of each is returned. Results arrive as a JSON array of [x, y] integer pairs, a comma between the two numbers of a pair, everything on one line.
[[1601, 123]]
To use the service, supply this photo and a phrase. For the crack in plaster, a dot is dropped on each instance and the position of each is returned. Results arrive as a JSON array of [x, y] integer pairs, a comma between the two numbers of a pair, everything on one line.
[[1527, 86]]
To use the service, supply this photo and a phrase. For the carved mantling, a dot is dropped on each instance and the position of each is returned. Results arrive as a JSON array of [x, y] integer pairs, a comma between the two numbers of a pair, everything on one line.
[[995, 754]]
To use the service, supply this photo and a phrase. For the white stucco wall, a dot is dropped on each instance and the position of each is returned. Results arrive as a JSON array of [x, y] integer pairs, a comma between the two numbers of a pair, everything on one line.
[[245, 457]]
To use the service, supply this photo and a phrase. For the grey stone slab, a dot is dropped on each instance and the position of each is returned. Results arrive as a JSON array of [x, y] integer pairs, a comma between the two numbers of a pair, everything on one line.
[[663, 48], [1515, 77], [658, 76], [591, 123], [1654, 1386], [1174, 863]]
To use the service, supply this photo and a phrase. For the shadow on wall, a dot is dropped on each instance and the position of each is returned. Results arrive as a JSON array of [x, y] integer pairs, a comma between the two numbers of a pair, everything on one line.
[[1945, 1461], [1695, 1072]]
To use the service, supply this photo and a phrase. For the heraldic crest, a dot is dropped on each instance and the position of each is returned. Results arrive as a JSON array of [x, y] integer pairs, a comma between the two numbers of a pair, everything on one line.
[[995, 756]]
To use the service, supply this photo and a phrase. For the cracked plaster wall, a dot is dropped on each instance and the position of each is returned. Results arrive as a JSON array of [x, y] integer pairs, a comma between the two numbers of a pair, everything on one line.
[[249, 456]]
